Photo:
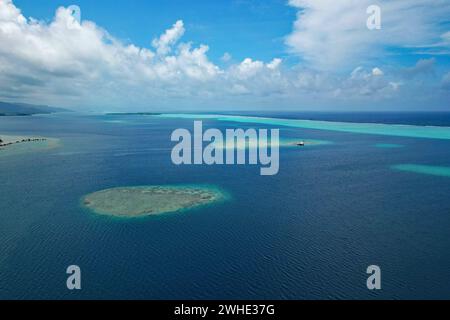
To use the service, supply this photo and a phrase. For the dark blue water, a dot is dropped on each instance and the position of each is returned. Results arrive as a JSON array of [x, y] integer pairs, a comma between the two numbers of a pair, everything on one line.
[[307, 233]]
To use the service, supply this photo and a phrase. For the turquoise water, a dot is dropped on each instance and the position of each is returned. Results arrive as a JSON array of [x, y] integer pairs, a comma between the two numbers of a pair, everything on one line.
[[424, 169], [388, 145], [307, 233], [412, 131], [28, 147]]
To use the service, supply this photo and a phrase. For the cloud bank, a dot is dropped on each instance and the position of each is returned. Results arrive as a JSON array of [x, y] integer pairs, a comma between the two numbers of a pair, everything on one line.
[[331, 34], [67, 62]]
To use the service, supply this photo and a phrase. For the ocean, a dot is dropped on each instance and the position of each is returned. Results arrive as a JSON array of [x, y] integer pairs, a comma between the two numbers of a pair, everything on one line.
[[309, 232]]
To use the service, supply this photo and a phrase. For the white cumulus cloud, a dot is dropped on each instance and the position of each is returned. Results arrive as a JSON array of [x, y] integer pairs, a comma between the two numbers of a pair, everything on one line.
[[72, 63], [67, 60], [169, 38], [334, 34]]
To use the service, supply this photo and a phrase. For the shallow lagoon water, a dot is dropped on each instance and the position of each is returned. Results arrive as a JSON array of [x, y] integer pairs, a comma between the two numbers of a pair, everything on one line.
[[283, 143], [143, 201], [26, 147], [412, 131], [424, 169], [307, 233], [388, 145]]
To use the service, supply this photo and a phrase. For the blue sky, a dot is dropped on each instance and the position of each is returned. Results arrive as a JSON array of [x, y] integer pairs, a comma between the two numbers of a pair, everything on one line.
[[178, 55], [241, 27]]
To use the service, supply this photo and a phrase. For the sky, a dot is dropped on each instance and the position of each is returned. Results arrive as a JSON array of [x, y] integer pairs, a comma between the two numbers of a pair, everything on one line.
[[174, 55]]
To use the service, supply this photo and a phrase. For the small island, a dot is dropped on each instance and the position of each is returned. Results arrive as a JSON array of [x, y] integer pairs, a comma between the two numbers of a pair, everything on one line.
[[16, 145], [10, 109], [142, 201], [9, 140]]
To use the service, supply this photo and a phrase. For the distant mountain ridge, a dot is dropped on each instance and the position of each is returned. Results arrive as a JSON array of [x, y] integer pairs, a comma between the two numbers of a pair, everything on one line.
[[24, 109]]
